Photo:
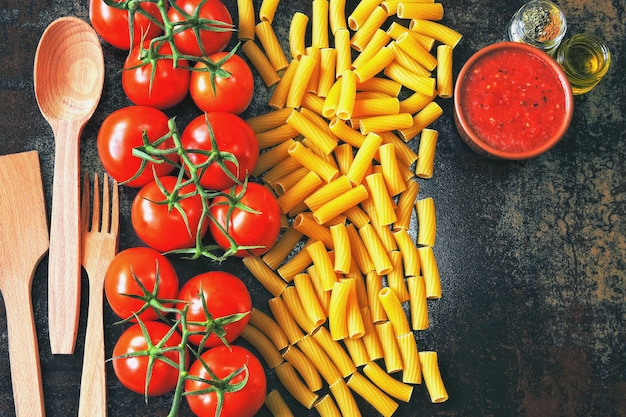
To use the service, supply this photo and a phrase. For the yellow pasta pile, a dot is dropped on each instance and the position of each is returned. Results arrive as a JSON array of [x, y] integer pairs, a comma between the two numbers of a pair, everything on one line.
[[336, 151]]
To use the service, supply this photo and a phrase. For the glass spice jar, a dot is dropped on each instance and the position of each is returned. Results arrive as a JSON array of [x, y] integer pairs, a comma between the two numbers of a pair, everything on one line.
[[539, 23], [585, 59]]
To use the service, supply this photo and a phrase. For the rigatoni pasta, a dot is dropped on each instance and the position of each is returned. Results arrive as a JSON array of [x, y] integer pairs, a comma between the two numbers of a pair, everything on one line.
[[428, 11], [290, 380], [345, 400], [326, 407], [366, 31], [442, 33], [432, 377], [337, 15], [327, 72], [267, 10], [269, 327], [430, 271], [310, 301], [283, 316], [444, 71], [391, 351], [411, 372], [319, 21], [297, 33], [338, 310], [304, 366], [271, 45], [383, 204], [277, 405], [387, 383], [262, 343], [427, 222], [426, 153], [245, 11], [327, 369], [418, 303], [266, 277], [345, 181], [341, 245], [391, 303], [372, 394], [260, 62]]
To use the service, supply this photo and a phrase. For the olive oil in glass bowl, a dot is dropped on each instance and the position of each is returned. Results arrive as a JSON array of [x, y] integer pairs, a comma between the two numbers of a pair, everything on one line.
[[585, 59]]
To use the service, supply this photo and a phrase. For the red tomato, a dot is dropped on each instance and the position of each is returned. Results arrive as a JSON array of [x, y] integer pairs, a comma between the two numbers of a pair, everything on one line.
[[258, 228], [157, 85], [224, 295], [122, 131], [232, 135], [234, 85], [112, 23], [132, 371], [143, 264], [213, 38], [163, 227], [224, 361]]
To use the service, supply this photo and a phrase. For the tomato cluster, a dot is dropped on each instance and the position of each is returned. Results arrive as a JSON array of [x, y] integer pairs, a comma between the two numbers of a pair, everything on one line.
[[186, 179], [159, 70], [193, 186], [173, 326]]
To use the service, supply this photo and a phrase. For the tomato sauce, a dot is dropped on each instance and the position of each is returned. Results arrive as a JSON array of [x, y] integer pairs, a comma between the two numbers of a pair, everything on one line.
[[513, 100]]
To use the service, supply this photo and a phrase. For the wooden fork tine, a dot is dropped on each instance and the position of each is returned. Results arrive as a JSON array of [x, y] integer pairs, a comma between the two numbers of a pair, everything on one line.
[[84, 206], [95, 212], [106, 211], [115, 209]]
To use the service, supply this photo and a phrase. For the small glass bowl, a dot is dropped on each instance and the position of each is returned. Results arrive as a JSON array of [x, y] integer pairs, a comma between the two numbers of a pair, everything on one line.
[[585, 58], [539, 23]]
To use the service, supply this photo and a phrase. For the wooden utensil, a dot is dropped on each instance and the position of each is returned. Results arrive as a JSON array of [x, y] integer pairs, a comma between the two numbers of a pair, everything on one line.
[[99, 248], [23, 242], [68, 78]]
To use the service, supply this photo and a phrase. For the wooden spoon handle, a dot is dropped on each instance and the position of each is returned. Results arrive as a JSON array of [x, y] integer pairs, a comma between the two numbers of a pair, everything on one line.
[[93, 398], [23, 352], [64, 258]]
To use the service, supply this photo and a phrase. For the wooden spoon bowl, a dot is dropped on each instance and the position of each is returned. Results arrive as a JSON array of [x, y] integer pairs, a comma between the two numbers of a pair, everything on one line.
[[68, 79], [70, 71]]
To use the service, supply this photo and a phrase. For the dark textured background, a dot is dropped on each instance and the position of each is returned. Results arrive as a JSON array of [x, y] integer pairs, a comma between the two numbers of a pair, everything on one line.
[[531, 254]]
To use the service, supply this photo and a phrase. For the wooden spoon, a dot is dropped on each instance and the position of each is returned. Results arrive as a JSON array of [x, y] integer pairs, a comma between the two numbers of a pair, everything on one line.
[[23, 242], [69, 76]]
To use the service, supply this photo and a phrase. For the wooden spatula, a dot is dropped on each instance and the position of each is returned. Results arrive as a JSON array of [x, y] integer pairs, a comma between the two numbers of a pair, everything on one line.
[[23, 242]]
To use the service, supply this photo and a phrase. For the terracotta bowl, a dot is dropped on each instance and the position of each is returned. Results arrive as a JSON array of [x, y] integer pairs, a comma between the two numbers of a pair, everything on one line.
[[512, 101]]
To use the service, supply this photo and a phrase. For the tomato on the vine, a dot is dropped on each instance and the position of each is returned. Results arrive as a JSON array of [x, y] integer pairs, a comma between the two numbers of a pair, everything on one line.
[[213, 37], [151, 79], [145, 265], [159, 223], [224, 295], [112, 24], [133, 371], [238, 400], [229, 88], [121, 132], [232, 134], [250, 216]]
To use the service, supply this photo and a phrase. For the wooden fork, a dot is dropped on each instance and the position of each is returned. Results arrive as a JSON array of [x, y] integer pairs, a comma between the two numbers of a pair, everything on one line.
[[99, 247]]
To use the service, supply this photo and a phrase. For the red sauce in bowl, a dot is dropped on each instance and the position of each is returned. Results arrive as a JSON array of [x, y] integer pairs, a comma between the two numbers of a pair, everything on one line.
[[514, 100]]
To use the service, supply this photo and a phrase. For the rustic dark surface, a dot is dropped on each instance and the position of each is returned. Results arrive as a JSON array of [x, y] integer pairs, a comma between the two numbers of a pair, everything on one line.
[[531, 254]]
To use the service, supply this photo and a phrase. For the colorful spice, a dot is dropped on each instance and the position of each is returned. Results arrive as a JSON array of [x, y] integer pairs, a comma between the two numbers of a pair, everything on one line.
[[540, 24]]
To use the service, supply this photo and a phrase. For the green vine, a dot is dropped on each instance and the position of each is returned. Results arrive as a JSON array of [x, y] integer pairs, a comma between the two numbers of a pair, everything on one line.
[[192, 22], [190, 173]]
